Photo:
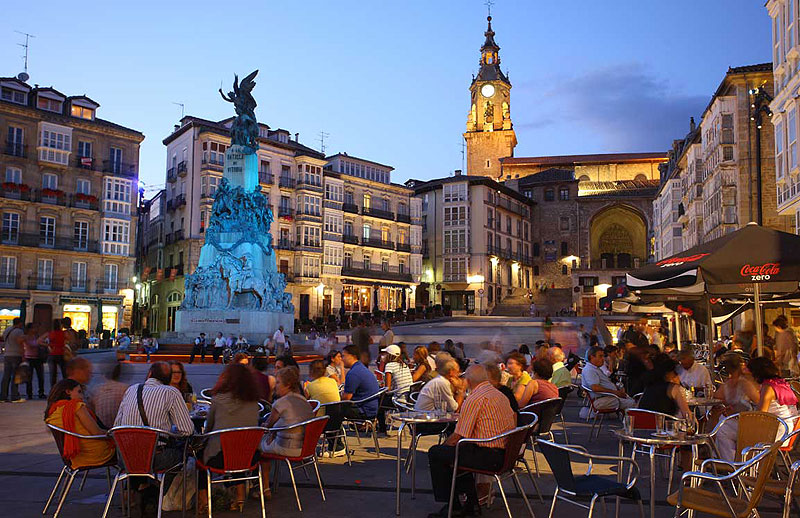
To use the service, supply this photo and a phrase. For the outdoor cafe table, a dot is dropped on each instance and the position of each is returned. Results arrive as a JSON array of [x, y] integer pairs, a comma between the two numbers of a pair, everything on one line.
[[412, 419], [651, 440]]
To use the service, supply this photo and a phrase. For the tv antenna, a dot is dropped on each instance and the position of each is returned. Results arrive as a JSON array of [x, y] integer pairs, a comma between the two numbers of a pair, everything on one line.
[[463, 148], [321, 139], [23, 76], [183, 108]]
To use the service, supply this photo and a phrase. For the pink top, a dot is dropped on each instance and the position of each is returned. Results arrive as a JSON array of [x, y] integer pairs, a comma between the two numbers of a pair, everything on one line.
[[546, 391], [783, 392]]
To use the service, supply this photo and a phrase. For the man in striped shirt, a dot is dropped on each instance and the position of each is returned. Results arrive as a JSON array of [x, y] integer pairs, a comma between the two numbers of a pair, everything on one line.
[[485, 413]]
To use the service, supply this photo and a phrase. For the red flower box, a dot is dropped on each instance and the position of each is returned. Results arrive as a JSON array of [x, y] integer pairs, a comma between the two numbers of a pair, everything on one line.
[[11, 186], [86, 197], [53, 193]]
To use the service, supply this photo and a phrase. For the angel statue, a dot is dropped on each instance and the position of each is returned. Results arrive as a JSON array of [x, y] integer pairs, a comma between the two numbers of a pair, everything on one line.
[[244, 130]]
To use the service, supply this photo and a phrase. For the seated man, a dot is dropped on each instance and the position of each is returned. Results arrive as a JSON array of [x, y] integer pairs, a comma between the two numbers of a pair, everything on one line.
[[446, 389], [692, 374], [485, 413], [493, 372], [359, 384], [561, 376], [594, 379]]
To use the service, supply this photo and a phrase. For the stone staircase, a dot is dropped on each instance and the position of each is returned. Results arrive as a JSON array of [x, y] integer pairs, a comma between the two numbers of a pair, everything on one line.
[[515, 305]]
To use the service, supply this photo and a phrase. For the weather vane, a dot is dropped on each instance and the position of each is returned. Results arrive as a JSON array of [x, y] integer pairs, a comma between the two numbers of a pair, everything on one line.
[[489, 4]]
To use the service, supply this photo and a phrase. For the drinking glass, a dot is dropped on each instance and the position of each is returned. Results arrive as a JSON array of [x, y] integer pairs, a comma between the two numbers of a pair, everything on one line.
[[659, 424], [629, 421], [670, 427]]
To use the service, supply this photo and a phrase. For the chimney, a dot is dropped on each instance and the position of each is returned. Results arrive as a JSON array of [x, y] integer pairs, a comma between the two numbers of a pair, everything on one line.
[[458, 172], [692, 125], [176, 128], [297, 137]]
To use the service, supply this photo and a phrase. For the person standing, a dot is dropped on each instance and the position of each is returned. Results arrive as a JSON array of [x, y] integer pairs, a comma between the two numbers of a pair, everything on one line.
[[199, 347], [362, 340], [219, 345], [56, 340], [70, 335], [388, 335], [149, 343], [12, 360], [785, 347], [31, 354], [279, 342]]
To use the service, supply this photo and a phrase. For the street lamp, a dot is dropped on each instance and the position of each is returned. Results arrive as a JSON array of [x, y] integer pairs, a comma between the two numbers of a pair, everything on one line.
[[759, 105]]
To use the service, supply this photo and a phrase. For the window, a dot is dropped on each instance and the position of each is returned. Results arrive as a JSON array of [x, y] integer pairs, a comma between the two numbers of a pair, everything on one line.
[[308, 236], [367, 200], [14, 96], [455, 216], [455, 268], [44, 273], [263, 172], [10, 227], [117, 196], [49, 181], [367, 230], [526, 231], [83, 186], [334, 191], [333, 256], [489, 220], [564, 269], [115, 237], [51, 105], [8, 271], [727, 153], [563, 223], [780, 135], [401, 266], [536, 269], [110, 277], [564, 248], [536, 249], [402, 236], [367, 262], [13, 175], [563, 193], [82, 112], [333, 223], [84, 149], [309, 267], [791, 137], [347, 260], [309, 204], [386, 234], [214, 153], [549, 195], [56, 143], [81, 235], [727, 136], [115, 159], [508, 224], [78, 276], [455, 241], [384, 264], [348, 228], [47, 231], [455, 192]]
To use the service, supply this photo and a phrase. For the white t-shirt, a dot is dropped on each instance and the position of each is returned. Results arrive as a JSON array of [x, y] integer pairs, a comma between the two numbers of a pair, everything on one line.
[[401, 376], [696, 376], [278, 337], [435, 392], [219, 342]]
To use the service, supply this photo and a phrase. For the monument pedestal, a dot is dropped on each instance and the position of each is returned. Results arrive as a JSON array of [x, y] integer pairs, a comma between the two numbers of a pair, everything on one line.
[[256, 326]]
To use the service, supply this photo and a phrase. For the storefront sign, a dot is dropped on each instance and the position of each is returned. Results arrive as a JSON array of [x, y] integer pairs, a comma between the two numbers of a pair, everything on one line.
[[77, 308]]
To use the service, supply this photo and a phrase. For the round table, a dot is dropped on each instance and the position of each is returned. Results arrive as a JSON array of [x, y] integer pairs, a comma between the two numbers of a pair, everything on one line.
[[412, 419], [652, 441], [704, 402]]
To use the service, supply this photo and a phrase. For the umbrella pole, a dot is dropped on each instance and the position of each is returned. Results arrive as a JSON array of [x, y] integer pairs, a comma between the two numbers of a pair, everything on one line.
[[759, 326], [710, 331], [678, 329]]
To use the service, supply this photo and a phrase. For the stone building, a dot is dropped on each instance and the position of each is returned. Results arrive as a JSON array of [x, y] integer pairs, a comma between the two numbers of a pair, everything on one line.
[[344, 235], [476, 238], [68, 203]]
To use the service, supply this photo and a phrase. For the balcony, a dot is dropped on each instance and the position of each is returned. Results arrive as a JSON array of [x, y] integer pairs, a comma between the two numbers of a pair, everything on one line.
[[213, 165], [377, 213], [265, 178], [84, 162], [309, 185], [350, 207], [403, 247], [350, 239], [172, 175], [37, 240], [119, 168], [15, 191], [84, 201], [388, 273], [9, 281], [328, 236], [455, 277], [377, 242], [45, 283], [78, 285], [285, 212], [109, 286], [331, 204], [308, 245], [15, 149], [403, 217], [286, 182], [284, 244], [182, 168], [50, 196], [302, 215]]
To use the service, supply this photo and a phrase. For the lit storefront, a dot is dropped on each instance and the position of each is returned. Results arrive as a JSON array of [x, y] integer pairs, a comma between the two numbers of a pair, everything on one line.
[[84, 312], [7, 316], [80, 315], [361, 298], [357, 299]]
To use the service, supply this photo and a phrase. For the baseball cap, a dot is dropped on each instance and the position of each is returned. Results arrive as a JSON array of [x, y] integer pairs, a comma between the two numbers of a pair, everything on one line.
[[394, 350]]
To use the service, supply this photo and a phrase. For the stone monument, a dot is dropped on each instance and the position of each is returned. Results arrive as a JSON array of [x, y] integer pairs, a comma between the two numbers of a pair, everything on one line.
[[236, 287]]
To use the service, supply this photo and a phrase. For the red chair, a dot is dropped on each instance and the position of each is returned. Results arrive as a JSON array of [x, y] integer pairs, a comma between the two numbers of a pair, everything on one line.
[[136, 449], [312, 430], [239, 455], [646, 420], [71, 472]]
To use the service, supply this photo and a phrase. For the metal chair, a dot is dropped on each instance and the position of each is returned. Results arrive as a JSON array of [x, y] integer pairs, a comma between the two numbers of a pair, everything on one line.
[[334, 429], [312, 430], [564, 393], [646, 420], [514, 450], [370, 423], [240, 458], [753, 428], [546, 412], [206, 393], [600, 412], [71, 472], [720, 503], [314, 405], [587, 485], [784, 489], [136, 449]]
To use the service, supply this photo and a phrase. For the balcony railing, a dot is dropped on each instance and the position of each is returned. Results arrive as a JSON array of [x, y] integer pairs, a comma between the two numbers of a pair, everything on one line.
[[37, 240], [15, 191], [309, 185], [50, 196], [45, 283], [403, 247], [403, 217], [15, 149], [182, 168], [79, 285], [350, 207], [351, 239], [329, 236], [311, 245], [389, 273], [214, 165], [119, 168], [330, 204], [285, 212], [80, 201], [172, 175], [108, 286], [284, 244], [265, 178], [377, 213], [377, 242], [288, 183], [9, 281]]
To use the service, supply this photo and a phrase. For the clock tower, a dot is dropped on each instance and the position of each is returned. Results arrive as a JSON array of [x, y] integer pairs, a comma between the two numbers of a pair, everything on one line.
[[490, 135]]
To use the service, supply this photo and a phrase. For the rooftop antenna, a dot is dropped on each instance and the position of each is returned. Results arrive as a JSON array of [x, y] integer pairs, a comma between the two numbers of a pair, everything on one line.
[[23, 76], [463, 147], [183, 108], [321, 139]]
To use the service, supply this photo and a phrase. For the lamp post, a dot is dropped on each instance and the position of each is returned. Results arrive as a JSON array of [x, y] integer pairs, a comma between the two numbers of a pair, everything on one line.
[[759, 105]]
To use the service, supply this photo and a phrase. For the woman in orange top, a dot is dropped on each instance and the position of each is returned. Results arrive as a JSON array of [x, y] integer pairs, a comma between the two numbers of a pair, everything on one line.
[[66, 409]]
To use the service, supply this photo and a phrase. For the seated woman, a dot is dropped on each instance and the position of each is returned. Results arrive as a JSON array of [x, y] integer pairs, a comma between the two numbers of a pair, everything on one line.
[[290, 408], [775, 396], [179, 380], [540, 387], [234, 404], [321, 387], [663, 392], [739, 392], [334, 367], [397, 376], [422, 366], [520, 379], [66, 410]]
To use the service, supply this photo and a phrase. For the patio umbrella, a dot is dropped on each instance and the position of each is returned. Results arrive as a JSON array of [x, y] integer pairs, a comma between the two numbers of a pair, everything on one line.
[[99, 327], [23, 310], [752, 260]]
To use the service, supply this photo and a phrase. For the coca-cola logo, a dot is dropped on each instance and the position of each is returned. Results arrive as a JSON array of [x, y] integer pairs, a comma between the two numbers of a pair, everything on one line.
[[676, 261], [763, 272]]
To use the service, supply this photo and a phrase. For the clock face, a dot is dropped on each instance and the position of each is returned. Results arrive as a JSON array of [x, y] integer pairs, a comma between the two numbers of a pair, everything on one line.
[[487, 90]]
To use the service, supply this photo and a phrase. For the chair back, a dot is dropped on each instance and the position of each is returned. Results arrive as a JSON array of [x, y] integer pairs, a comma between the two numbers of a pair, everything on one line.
[[762, 464], [335, 411], [558, 458], [312, 430], [239, 447], [58, 436], [314, 405], [546, 412], [563, 392], [206, 394], [136, 446], [515, 446], [754, 428]]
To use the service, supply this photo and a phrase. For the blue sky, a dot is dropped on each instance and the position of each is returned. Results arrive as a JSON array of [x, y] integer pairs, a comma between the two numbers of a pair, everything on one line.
[[389, 80]]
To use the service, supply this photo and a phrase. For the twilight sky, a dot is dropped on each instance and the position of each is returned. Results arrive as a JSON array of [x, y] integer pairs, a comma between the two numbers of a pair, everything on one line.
[[389, 80]]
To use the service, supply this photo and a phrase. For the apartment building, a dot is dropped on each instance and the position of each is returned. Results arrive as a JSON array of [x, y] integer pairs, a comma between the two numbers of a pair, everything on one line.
[[344, 235], [476, 238], [68, 204]]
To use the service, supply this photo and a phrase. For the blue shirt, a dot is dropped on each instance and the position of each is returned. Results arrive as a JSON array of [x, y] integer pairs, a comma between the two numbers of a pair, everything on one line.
[[362, 383]]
